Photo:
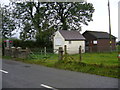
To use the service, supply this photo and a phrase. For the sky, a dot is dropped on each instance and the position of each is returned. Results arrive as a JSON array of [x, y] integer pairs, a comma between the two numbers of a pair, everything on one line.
[[100, 17]]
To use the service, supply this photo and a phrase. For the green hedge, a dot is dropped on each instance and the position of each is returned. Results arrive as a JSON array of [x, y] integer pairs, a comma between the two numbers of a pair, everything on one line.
[[30, 44]]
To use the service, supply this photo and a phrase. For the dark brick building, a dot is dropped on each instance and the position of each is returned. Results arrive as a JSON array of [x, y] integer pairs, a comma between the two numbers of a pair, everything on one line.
[[99, 41]]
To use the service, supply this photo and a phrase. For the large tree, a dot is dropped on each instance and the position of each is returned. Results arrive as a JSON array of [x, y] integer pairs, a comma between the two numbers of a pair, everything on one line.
[[41, 19], [70, 16]]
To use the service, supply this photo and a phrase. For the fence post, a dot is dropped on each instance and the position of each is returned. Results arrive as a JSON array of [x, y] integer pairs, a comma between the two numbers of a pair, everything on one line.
[[60, 57], [80, 54]]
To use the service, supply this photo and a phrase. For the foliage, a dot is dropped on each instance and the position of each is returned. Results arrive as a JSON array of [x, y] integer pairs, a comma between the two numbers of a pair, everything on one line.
[[69, 15], [23, 44], [105, 66], [118, 46], [42, 19], [118, 43], [8, 24], [30, 44], [86, 68], [39, 20], [100, 59]]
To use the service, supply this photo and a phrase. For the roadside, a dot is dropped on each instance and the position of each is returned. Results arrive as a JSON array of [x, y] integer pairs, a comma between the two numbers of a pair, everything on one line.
[[21, 75], [104, 64]]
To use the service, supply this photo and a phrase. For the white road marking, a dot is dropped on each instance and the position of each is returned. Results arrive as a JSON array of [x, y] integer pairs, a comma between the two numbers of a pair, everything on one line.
[[49, 87], [3, 71]]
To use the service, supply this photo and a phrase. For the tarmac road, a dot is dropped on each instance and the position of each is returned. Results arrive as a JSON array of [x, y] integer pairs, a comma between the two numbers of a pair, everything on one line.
[[21, 75]]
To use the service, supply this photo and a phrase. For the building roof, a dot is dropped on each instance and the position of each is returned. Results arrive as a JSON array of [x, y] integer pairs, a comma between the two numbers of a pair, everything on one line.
[[99, 34], [71, 35]]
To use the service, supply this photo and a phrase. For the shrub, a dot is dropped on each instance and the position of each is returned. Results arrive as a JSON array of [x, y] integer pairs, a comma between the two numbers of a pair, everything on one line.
[[30, 44]]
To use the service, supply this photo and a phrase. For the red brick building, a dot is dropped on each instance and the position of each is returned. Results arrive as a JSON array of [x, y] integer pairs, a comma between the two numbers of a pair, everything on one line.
[[99, 41]]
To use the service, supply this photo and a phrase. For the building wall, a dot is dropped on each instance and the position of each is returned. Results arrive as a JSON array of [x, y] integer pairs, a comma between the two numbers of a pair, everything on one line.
[[72, 48], [56, 39], [104, 45]]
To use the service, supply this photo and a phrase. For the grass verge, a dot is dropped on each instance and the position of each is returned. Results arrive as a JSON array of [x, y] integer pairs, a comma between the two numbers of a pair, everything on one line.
[[104, 64]]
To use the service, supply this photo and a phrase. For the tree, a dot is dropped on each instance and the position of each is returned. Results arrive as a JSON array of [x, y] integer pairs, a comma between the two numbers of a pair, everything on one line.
[[70, 16], [8, 24], [29, 18], [41, 19]]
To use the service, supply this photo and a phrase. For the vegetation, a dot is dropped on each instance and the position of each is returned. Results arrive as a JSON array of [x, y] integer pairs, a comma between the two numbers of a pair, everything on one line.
[[8, 24], [118, 48], [105, 64], [39, 20]]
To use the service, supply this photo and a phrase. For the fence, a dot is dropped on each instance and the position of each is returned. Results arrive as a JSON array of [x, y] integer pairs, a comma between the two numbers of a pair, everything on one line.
[[46, 53], [65, 57], [49, 53]]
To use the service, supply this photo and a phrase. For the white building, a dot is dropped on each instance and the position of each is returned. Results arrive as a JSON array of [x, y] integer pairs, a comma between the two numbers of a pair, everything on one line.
[[72, 39]]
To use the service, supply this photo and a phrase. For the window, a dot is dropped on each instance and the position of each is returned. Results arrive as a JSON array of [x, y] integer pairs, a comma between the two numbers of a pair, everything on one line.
[[95, 42], [70, 42]]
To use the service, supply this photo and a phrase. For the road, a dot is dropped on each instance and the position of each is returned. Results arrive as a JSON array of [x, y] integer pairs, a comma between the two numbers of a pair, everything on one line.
[[21, 75]]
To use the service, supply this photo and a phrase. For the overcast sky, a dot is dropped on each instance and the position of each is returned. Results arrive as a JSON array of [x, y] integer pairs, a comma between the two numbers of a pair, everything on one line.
[[100, 17]]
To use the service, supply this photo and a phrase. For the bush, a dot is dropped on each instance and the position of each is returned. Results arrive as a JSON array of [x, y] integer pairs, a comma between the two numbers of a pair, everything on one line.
[[30, 44], [23, 44]]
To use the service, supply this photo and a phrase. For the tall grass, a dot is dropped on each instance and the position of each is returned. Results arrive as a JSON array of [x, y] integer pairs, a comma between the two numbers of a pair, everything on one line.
[[105, 64]]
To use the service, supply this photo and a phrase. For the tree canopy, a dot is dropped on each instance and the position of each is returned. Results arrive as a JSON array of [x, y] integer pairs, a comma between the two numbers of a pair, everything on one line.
[[8, 24], [41, 19]]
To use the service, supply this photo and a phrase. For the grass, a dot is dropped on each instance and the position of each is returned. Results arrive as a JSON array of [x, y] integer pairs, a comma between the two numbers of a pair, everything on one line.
[[108, 59], [105, 64], [86, 68]]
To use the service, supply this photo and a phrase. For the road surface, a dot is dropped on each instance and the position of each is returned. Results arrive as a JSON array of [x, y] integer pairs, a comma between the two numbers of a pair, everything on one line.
[[21, 75]]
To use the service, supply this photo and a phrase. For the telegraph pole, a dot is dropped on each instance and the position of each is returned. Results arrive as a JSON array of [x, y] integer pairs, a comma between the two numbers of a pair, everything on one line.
[[109, 26]]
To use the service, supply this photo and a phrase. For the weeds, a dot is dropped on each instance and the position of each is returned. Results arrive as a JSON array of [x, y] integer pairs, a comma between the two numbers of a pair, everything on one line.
[[105, 64]]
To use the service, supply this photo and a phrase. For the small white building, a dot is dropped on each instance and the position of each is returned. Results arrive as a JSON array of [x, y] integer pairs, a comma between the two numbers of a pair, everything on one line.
[[72, 39]]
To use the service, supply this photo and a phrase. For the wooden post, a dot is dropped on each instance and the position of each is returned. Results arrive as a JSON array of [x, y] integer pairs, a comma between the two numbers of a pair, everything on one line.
[[60, 57], [80, 53], [65, 49]]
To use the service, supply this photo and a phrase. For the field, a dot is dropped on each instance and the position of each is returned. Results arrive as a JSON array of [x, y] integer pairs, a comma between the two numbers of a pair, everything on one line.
[[105, 64], [107, 59]]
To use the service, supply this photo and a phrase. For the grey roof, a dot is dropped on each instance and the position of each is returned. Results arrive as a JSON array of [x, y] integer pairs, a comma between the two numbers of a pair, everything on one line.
[[71, 35], [100, 34]]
